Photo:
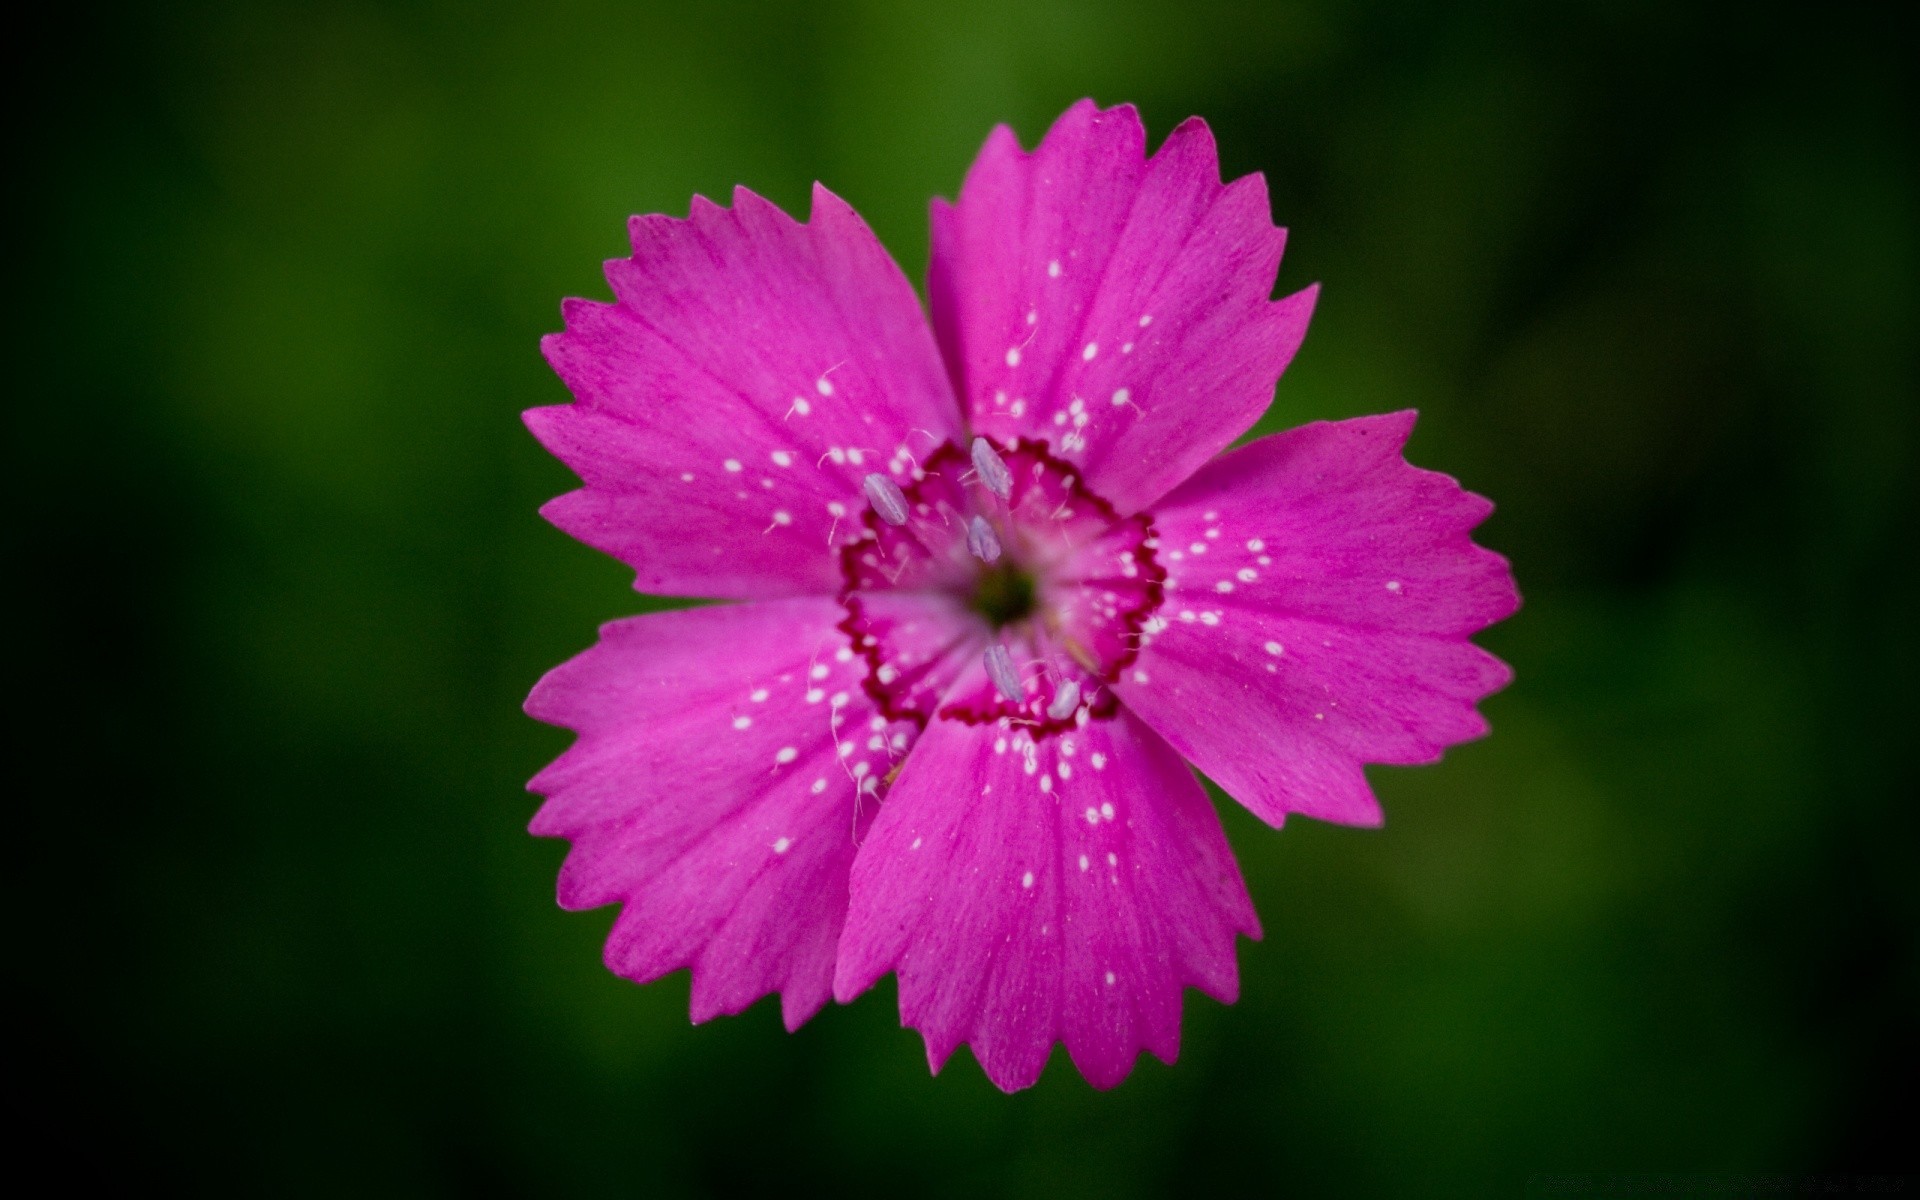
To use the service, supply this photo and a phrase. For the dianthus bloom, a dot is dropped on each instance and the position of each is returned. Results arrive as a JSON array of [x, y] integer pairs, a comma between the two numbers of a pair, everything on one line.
[[997, 586]]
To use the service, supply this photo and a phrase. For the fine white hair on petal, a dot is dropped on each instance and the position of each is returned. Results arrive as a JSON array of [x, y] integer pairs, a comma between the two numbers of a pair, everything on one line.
[[982, 540], [992, 469], [1006, 679], [887, 498]]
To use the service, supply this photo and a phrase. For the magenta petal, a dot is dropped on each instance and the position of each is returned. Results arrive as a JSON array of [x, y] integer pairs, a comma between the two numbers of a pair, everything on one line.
[[710, 795], [1113, 305], [1027, 895], [751, 372], [1320, 592]]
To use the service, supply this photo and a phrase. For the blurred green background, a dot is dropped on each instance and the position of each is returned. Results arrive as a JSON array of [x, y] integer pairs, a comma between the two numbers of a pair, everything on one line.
[[1648, 270]]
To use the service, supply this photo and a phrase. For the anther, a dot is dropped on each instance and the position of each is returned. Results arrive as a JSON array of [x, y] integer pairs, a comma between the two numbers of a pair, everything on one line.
[[1006, 680], [1065, 700], [887, 498], [992, 469], [982, 540]]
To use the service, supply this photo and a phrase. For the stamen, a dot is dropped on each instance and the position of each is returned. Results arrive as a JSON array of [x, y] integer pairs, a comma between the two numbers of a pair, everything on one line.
[[982, 540], [1065, 700], [992, 469], [1006, 680], [887, 498]]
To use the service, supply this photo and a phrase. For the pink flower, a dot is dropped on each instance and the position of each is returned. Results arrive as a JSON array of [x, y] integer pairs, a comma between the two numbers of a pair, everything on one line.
[[997, 587]]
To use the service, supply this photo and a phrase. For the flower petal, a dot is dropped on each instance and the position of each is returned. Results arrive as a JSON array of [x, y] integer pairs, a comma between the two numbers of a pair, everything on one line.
[[727, 762], [751, 372], [1114, 305], [915, 645], [1319, 598], [1031, 894]]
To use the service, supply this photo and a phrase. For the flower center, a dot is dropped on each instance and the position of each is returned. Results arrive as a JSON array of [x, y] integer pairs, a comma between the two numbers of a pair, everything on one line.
[[1004, 594], [993, 585]]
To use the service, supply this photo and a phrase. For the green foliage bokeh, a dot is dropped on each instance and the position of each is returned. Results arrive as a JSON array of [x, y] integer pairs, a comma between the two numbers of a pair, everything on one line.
[[1648, 271]]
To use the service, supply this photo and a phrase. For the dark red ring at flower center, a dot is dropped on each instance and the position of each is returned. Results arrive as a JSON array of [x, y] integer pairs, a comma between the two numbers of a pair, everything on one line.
[[914, 600]]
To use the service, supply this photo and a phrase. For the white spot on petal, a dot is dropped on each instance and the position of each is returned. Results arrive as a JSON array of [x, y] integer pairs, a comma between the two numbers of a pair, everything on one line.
[[787, 754]]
